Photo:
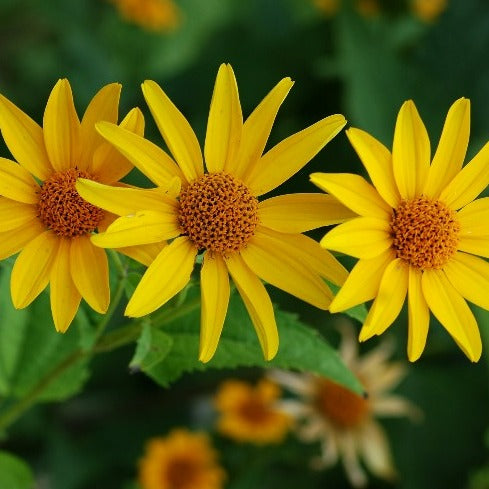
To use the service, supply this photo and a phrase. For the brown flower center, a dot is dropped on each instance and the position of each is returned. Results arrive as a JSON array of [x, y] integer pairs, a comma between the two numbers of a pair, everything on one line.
[[339, 405], [255, 411], [425, 232], [218, 213], [181, 473], [61, 209]]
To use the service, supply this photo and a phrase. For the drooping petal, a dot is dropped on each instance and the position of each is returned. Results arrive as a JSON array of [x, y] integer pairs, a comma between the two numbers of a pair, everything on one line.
[[474, 219], [257, 302], [279, 263], [451, 150], [90, 273], [290, 155], [419, 316], [16, 183], [225, 122], [452, 311], [176, 131], [389, 300], [14, 240], [363, 282], [165, 277], [62, 128], [144, 254], [362, 237], [411, 152], [65, 298], [15, 214], [143, 154], [142, 227], [103, 107], [377, 160], [109, 164], [24, 139], [296, 213], [472, 179], [354, 192], [215, 290], [256, 130], [32, 269]]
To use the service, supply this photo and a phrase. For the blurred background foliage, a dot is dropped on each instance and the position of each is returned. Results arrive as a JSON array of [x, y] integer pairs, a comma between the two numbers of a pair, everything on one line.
[[359, 58]]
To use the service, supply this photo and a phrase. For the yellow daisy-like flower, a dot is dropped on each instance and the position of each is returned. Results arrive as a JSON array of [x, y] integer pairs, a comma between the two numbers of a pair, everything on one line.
[[344, 422], [155, 15], [49, 221], [428, 10], [418, 231], [181, 460], [218, 213], [249, 414]]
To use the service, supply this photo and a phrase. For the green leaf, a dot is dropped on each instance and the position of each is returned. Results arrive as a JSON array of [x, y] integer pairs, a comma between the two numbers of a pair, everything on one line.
[[301, 348], [14, 472]]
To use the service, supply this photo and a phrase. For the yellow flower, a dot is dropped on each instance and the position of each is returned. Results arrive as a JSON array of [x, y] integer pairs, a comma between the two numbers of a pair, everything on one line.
[[428, 10], [343, 422], [218, 213], [156, 15], [49, 221], [418, 232], [249, 413], [367, 8], [181, 460], [328, 7]]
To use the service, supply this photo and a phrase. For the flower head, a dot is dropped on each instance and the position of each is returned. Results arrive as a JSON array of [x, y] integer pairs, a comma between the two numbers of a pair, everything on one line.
[[218, 212], [418, 232], [154, 15], [181, 460], [249, 414], [41, 213], [344, 422], [428, 10]]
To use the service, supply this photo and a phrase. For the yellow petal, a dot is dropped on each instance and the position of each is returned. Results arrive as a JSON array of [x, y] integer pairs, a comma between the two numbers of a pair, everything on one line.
[[15, 214], [469, 182], [140, 228], [24, 139], [225, 122], [144, 254], [65, 298], [90, 273], [143, 154], [290, 155], [14, 240], [164, 278], [419, 316], [62, 128], [16, 183], [280, 263], [103, 107], [256, 129], [214, 283], [362, 237], [108, 163], [410, 152], [478, 245], [31, 270], [388, 303], [452, 311], [451, 150], [257, 302], [377, 160], [363, 282], [474, 219], [123, 200], [354, 192], [296, 213], [176, 131]]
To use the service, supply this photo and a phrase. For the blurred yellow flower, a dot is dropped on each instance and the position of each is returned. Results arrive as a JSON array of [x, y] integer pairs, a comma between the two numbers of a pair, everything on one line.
[[218, 213], [418, 231], [49, 221], [367, 8], [428, 10], [156, 15], [343, 422], [328, 7], [181, 460], [249, 414]]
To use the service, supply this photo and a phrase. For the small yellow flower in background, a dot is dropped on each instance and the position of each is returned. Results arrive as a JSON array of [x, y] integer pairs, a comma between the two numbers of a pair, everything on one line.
[[418, 231], [156, 15], [248, 413], [367, 8], [328, 7], [343, 422], [49, 221], [428, 10], [181, 460], [217, 212]]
